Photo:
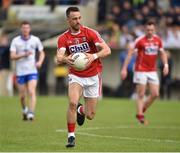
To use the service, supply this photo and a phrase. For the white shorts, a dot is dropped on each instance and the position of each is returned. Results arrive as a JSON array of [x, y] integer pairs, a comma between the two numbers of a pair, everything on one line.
[[146, 77], [91, 85]]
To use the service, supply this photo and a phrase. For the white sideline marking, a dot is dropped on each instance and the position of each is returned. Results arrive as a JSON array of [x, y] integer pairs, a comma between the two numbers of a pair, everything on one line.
[[127, 138], [123, 127], [122, 138]]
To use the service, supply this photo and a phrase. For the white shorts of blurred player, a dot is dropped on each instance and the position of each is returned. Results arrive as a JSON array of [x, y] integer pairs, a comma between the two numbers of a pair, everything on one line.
[[146, 77], [91, 85]]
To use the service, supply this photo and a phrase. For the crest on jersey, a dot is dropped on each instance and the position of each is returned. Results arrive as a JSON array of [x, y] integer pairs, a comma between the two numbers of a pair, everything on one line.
[[84, 38], [83, 47], [76, 41]]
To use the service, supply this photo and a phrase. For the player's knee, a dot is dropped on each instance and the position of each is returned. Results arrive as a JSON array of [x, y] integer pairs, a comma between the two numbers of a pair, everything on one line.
[[90, 115], [73, 105], [155, 95], [22, 97], [32, 93], [141, 95]]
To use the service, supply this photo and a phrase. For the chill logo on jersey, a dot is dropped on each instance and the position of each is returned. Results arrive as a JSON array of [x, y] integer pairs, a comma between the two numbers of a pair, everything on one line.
[[82, 47], [151, 50]]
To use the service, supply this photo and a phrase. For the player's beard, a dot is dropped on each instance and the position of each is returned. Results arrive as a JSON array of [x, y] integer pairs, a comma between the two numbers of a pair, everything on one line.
[[76, 27]]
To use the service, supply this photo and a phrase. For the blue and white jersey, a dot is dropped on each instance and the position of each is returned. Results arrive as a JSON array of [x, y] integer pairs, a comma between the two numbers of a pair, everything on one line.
[[19, 45]]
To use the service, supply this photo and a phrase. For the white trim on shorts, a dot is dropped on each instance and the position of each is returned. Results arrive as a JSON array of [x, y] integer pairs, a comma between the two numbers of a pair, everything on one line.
[[91, 85], [146, 77]]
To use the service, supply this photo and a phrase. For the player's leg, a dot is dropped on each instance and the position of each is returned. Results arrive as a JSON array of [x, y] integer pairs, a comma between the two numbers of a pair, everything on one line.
[[32, 84], [74, 93], [91, 93], [140, 103], [153, 83], [154, 93], [90, 107], [140, 79], [22, 88]]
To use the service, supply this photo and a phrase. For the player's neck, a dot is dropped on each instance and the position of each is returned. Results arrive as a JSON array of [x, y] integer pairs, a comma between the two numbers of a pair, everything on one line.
[[25, 37], [74, 32], [149, 36]]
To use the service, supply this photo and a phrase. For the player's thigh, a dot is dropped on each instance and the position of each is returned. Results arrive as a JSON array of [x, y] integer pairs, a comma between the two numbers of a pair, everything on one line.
[[32, 84], [22, 88], [92, 89], [74, 92], [90, 105]]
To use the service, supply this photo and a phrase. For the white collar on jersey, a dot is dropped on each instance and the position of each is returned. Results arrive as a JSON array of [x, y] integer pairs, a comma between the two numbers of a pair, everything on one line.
[[25, 39], [76, 33]]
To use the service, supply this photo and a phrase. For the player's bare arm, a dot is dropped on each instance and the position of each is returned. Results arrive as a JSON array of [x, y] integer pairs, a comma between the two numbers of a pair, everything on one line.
[[126, 62], [164, 59], [62, 58], [41, 59], [15, 56], [103, 51]]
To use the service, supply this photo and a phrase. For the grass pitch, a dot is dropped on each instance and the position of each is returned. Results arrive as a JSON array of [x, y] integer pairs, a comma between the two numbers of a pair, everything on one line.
[[114, 128]]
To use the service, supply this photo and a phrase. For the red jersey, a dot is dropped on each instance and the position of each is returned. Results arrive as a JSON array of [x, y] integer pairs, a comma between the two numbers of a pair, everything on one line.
[[84, 41], [147, 52]]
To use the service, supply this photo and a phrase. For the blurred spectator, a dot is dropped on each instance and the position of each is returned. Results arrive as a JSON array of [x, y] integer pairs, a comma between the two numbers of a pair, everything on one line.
[[4, 6], [102, 10], [115, 14], [165, 86], [6, 85], [114, 36], [52, 4], [127, 13], [173, 37], [125, 37]]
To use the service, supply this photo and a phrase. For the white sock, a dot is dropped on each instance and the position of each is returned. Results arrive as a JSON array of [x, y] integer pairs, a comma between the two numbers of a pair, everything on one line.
[[30, 115], [25, 110], [71, 134]]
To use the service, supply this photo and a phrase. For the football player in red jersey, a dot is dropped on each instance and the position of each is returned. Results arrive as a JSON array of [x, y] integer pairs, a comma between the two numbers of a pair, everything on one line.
[[86, 83], [147, 47]]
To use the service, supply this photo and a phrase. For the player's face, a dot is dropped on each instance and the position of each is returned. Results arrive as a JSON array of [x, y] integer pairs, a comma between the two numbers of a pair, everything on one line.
[[25, 29], [74, 20], [150, 30]]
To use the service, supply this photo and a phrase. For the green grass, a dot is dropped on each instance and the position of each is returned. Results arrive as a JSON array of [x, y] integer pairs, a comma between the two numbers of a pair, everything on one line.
[[113, 129]]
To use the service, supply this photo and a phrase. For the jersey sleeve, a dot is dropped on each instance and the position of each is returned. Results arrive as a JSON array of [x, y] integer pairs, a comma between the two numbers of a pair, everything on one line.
[[39, 45], [95, 36], [61, 43], [13, 46]]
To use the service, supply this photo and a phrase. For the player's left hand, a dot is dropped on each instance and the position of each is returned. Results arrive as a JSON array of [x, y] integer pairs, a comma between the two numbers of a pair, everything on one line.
[[90, 58], [165, 70], [38, 64]]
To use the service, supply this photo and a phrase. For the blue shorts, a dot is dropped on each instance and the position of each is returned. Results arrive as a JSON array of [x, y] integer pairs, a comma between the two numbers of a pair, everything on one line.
[[25, 78]]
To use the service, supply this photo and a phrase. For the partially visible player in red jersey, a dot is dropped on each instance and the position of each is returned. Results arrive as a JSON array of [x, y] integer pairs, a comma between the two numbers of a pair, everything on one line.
[[147, 48], [86, 83]]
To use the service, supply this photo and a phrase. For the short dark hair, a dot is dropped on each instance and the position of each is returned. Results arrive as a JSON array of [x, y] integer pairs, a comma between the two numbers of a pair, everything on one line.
[[71, 9], [150, 22], [25, 22]]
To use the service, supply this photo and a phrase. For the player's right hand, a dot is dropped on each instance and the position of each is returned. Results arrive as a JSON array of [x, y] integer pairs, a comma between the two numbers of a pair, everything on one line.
[[123, 74], [68, 60], [27, 53]]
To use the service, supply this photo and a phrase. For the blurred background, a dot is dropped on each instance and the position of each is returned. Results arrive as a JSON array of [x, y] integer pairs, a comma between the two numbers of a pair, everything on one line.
[[119, 22]]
